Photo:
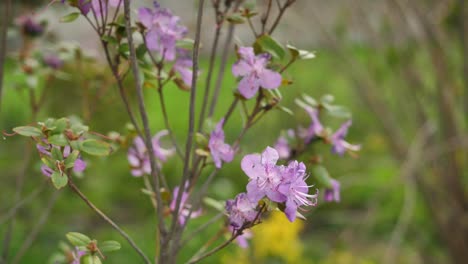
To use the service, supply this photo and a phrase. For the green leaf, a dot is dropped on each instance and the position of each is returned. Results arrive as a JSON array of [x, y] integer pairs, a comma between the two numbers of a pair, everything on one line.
[[59, 140], [70, 160], [285, 109], [78, 239], [95, 147], [299, 54], [185, 43], [202, 152], [201, 140], [60, 125], [109, 245], [28, 131], [59, 180], [327, 99], [310, 100], [57, 154], [70, 17], [88, 259], [110, 40], [235, 19], [321, 174], [218, 205], [124, 50], [338, 111], [270, 45], [48, 162]]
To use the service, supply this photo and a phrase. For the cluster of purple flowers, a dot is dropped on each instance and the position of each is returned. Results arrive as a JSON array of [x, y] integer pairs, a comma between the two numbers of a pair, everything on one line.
[[138, 154], [314, 131], [46, 148], [284, 185], [220, 151], [163, 30]]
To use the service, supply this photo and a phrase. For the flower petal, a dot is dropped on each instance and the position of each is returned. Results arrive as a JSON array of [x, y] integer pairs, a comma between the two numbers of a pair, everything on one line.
[[270, 79], [249, 86], [252, 166]]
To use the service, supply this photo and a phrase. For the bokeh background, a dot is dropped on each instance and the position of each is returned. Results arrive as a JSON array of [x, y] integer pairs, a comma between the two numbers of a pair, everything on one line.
[[400, 66]]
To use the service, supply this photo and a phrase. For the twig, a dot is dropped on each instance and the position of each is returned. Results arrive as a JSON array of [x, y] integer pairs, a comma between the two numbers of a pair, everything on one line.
[[35, 231], [280, 14], [214, 250], [191, 128], [155, 171], [265, 17], [75, 189], [201, 228]]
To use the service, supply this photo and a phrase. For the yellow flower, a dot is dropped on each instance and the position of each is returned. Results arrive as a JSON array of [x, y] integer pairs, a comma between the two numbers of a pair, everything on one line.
[[277, 237]]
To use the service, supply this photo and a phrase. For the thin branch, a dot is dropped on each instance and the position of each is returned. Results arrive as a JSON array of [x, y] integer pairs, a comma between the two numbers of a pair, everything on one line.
[[265, 17], [32, 235], [75, 189], [280, 15], [155, 171], [191, 128], [201, 228], [214, 250]]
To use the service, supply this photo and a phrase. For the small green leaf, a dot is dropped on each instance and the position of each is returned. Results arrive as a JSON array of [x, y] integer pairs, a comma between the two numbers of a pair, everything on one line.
[[60, 125], [321, 174], [214, 203], [270, 45], [58, 140], [124, 50], [338, 111], [310, 100], [57, 154], [327, 99], [28, 131], [300, 54], [109, 245], [202, 152], [88, 259], [110, 40], [285, 109], [185, 43], [70, 160], [78, 239], [201, 140], [59, 180], [235, 19], [48, 162], [70, 17], [95, 147]]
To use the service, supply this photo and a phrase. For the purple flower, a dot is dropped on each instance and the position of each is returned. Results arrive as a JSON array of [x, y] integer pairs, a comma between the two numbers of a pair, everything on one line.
[[84, 6], [164, 30], [264, 174], [254, 72], [282, 146], [138, 155], [184, 208], [294, 187], [315, 129], [241, 240], [184, 67], [333, 193], [29, 26], [53, 61], [77, 254], [241, 210], [102, 6], [339, 144], [220, 151], [78, 166]]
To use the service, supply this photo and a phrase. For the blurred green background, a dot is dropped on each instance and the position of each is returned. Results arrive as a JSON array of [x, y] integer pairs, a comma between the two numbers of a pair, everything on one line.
[[394, 80]]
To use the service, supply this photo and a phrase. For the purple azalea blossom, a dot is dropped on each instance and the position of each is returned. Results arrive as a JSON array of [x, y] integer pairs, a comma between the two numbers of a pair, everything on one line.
[[53, 61], [220, 151], [339, 144], [241, 210], [241, 240], [29, 26], [264, 174], [282, 146], [184, 208], [332, 194], [78, 167], [77, 254], [84, 6], [294, 187], [164, 30], [184, 67], [315, 129], [254, 72], [138, 155], [101, 6]]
